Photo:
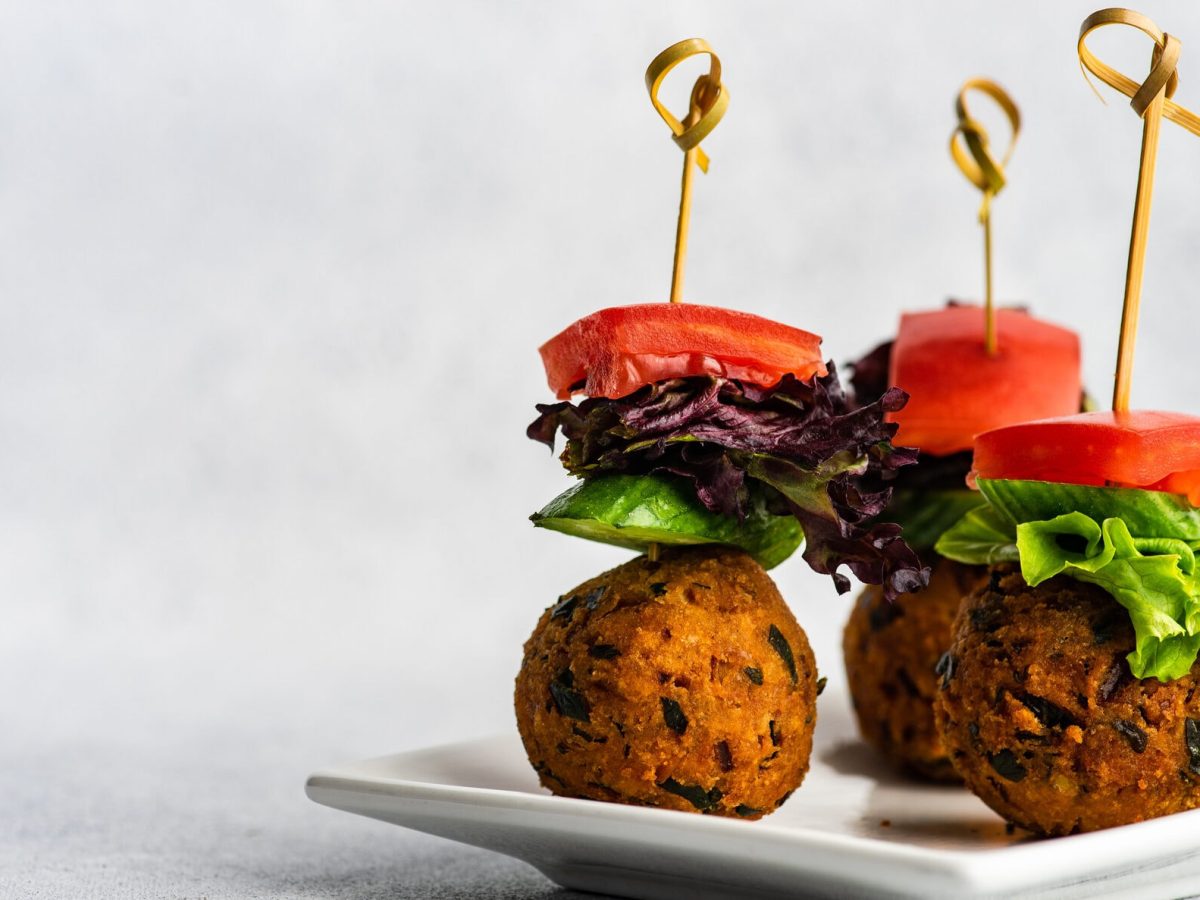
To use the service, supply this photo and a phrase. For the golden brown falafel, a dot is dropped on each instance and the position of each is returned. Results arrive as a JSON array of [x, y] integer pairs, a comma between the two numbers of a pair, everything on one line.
[[1043, 720], [684, 683], [891, 652]]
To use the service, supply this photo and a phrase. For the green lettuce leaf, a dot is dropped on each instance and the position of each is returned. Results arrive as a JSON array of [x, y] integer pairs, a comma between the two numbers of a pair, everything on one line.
[[1154, 579], [815, 496], [983, 537], [1139, 546], [1147, 513], [926, 514]]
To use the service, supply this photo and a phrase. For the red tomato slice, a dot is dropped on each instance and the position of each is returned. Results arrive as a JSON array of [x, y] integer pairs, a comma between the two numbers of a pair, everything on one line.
[[615, 351], [957, 391], [1158, 451]]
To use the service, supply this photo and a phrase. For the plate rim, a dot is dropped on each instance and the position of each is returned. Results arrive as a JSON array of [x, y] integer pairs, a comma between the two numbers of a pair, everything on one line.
[[986, 869]]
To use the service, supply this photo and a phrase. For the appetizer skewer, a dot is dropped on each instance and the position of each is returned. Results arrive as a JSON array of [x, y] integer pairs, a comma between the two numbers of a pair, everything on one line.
[[967, 369], [716, 441], [1069, 700]]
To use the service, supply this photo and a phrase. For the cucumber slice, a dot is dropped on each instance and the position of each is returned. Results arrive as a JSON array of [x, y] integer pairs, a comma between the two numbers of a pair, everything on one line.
[[634, 511]]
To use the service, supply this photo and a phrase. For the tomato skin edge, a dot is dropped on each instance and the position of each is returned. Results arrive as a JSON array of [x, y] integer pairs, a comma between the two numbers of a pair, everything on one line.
[[615, 351], [1144, 449]]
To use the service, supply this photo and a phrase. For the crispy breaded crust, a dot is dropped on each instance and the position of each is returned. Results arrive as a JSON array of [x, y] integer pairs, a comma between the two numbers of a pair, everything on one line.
[[1044, 721], [684, 683], [891, 652]]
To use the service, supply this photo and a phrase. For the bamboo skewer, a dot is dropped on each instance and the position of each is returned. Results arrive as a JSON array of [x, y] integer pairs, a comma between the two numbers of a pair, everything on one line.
[[709, 100], [1151, 100], [685, 215], [1136, 268], [982, 169]]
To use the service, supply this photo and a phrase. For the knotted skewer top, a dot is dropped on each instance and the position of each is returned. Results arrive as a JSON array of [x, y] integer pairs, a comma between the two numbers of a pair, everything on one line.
[[1151, 100], [972, 153], [1164, 74], [709, 100]]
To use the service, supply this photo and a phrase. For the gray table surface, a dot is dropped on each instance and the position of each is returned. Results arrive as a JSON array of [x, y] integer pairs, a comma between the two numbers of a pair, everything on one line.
[[121, 779]]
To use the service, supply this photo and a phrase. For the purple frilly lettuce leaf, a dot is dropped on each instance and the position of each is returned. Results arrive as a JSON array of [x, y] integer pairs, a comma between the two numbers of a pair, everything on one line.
[[829, 464]]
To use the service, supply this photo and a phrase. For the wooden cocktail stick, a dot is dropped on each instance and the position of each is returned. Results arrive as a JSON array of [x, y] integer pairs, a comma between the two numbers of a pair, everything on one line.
[[975, 161], [1151, 100], [708, 103]]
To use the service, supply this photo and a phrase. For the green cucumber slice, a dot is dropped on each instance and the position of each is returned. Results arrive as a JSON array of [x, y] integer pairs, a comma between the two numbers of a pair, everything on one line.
[[635, 511]]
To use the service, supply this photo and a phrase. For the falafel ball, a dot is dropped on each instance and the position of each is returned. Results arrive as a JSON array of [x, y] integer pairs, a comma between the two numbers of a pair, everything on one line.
[[682, 683], [1044, 721], [892, 652]]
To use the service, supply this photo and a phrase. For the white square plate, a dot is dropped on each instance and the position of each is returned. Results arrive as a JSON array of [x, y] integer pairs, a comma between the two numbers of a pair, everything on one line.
[[853, 829]]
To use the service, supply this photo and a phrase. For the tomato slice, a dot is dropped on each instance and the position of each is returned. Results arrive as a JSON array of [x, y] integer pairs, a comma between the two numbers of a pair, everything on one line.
[[615, 351], [956, 390], [1157, 451]]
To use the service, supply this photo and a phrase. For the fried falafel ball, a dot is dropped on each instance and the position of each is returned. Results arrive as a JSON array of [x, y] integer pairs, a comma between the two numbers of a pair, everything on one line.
[[892, 652], [682, 683], [1043, 720]]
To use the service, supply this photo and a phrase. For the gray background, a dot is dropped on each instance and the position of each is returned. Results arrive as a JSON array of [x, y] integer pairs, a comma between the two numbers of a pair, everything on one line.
[[272, 276]]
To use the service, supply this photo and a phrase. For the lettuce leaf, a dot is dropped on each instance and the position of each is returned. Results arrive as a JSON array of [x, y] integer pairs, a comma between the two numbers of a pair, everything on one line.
[[829, 465], [1153, 575], [870, 376], [817, 499], [1153, 578], [983, 537], [1147, 513], [926, 514]]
